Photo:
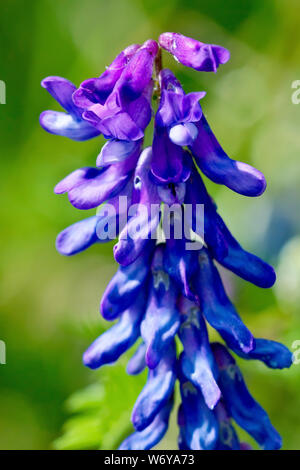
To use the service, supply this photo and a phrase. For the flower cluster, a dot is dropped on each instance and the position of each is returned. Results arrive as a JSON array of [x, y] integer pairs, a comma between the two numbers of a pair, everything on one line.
[[162, 290]]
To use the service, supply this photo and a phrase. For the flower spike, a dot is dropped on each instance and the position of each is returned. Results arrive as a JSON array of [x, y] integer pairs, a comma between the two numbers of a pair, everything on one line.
[[170, 241]]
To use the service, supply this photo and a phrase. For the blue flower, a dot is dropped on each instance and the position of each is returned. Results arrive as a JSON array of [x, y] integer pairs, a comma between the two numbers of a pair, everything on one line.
[[192, 53], [69, 124], [167, 286]]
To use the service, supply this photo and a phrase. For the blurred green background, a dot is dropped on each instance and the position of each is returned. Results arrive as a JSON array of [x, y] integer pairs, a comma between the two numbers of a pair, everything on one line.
[[49, 304]]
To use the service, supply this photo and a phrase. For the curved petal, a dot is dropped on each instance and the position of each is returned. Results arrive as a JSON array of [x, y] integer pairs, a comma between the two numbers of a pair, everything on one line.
[[199, 426], [241, 262], [62, 89], [216, 165], [77, 237], [241, 406], [125, 286], [217, 308], [137, 363], [114, 342], [116, 151], [196, 361], [139, 233], [169, 163], [151, 435], [157, 391], [192, 53], [162, 319], [66, 125], [76, 178], [91, 192], [97, 90], [274, 355], [223, 246], [228, 439]]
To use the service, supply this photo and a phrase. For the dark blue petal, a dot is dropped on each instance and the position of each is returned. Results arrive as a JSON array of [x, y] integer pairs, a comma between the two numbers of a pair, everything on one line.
[[139, 233], [216, 165], [172, 193], [77, 237], [199, 427], [223, 246], [157, 391], [151, 435], [62, 90], [175, 106], [169, 164], [197, 361], [228, 439], [273, 354], [137, 363], [115, 341], [241, 262], [125, 286], [162, 319], [181, 262], [217, 308], [248, 414], [89, 187], [196, 195]]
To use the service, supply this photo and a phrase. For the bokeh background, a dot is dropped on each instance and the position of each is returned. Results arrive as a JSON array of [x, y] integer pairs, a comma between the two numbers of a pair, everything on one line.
[[49, 304]]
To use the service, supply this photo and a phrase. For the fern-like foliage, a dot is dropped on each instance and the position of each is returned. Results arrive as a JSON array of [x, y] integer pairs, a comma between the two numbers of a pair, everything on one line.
[[100, 413]]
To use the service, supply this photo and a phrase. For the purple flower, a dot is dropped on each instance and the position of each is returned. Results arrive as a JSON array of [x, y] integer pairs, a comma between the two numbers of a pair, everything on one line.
[[223, 246], [228, 439], [89, 187], [126, 284], [177, 111], [145, 215], [120, 337], [127, 111], [196, 361], [192, 53], [137, 363], [162, 319], [216, 165], [242, 407], [198, 425], [69, 124], [217, 308], [157, 391], [151, 435], [172, 288], [97, 90]]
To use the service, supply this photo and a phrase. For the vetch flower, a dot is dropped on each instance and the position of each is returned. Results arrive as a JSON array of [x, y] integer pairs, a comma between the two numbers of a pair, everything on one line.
[[192, 53], [170, 236], [177, 111], [97, 90], [127, 110], [69, 124], [216, 165]]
